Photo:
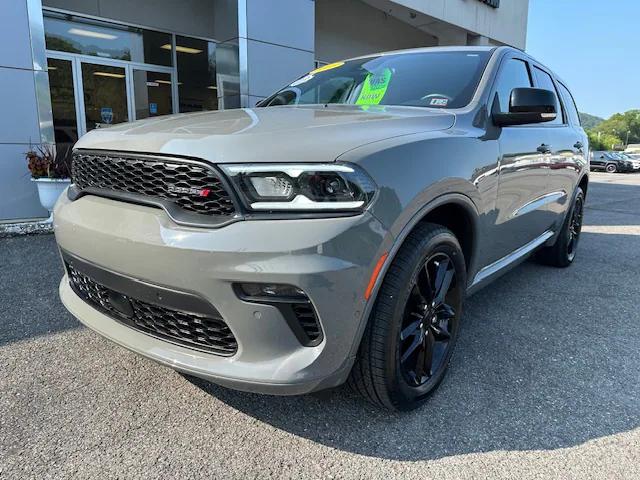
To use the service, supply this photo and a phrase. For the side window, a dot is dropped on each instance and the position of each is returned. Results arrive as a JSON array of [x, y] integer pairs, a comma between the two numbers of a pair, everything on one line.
[[544, 81], [513, 74], [570, 105]]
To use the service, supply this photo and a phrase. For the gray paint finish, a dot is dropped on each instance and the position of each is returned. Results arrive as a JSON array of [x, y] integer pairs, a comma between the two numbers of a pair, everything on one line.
[[419, 158]]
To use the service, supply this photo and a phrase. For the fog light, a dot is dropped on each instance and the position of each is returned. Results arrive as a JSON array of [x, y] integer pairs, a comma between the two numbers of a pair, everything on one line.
[[270, 291], [293, 304]]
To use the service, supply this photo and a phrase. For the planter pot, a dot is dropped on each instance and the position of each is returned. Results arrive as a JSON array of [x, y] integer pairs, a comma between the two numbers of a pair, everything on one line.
[[49, 189]]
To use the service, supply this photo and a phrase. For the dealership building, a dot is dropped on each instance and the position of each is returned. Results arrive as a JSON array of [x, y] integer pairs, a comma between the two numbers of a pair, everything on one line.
[[69, 66]]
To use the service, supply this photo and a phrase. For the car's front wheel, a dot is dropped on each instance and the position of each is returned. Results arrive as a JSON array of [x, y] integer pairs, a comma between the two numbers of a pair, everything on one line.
[[414, 325], [611, 168]]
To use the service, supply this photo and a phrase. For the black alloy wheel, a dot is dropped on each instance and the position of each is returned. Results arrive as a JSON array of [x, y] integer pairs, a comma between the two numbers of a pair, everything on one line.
[[563, 252], [411, 334], [429, 321], [575, 227]]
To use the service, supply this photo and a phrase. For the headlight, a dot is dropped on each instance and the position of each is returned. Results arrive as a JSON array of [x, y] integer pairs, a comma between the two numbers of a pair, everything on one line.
[[302, 187]]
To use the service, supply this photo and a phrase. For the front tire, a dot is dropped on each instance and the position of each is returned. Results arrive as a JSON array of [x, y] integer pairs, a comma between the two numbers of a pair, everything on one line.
[[611, 168], [563, 252], [413, 328]]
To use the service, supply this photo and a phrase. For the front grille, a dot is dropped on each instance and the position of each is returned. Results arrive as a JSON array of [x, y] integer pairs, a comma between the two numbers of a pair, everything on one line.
[[193, 187], [206, 333]]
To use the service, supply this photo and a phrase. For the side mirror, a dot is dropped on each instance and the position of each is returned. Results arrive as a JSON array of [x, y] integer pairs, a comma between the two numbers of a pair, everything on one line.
[[528, 105]]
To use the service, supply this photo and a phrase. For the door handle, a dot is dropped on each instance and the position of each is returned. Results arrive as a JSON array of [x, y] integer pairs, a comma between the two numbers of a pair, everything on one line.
[[544, 148], [578, 145]]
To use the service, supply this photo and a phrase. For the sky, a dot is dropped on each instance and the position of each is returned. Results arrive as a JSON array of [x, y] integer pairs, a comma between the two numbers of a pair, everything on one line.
[[593, 46]]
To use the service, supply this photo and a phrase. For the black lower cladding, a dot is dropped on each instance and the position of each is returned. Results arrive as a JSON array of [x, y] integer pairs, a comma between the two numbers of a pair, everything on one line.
[[206, 331]]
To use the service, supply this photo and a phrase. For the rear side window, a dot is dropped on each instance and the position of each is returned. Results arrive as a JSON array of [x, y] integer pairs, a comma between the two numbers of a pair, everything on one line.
[[570, 105], [544, 81], [513, 74]]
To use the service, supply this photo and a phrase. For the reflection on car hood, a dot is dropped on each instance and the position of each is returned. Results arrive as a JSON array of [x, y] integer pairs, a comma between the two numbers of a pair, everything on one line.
[[275, 134]]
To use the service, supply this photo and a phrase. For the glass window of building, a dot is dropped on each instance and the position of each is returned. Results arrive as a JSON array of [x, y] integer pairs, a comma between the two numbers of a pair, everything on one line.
[[197, 81], [152, 93], [105, 95], [65, 33], [63, 102]]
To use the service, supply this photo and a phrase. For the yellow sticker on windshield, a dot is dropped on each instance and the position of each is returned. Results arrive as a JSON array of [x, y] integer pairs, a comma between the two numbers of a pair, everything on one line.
[[374, 88], [324, 68]]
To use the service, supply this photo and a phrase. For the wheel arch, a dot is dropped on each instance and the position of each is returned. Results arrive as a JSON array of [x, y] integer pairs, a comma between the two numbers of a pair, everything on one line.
[[584, 184], [454, 210]]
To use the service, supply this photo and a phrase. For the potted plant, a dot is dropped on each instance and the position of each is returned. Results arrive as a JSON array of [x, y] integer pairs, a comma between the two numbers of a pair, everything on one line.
[[51, 171]]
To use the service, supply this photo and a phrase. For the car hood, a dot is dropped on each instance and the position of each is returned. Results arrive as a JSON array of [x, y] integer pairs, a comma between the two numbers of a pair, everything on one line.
[[313, 133]]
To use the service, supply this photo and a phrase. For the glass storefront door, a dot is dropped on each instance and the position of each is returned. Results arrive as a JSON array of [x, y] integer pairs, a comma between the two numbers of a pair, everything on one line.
[[88, 93], [152, 92], [63, 101], [104, 90]]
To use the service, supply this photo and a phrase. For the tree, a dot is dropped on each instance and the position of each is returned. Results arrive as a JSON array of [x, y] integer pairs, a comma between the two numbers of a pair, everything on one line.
[[625, 127], [602, 141]]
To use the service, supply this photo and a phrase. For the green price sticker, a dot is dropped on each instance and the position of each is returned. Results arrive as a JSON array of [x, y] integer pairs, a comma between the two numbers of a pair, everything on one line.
[[374, 88]]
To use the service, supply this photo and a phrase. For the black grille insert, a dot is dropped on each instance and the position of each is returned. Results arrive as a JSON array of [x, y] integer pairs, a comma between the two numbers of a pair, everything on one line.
[[306, 316], [206, 333], [191, 186]]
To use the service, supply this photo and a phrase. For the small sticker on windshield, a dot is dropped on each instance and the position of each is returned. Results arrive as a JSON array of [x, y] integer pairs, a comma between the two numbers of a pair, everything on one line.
[[439, 102]]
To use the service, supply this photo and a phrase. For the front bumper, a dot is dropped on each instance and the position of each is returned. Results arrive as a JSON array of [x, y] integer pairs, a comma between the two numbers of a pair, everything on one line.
[[330, 259]]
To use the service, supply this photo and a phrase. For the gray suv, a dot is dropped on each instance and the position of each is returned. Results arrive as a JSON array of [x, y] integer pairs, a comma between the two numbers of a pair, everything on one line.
[[332, 233]]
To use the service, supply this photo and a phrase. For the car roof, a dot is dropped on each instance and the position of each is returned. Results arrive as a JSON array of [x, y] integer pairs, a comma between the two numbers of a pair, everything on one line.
[[425, 50]]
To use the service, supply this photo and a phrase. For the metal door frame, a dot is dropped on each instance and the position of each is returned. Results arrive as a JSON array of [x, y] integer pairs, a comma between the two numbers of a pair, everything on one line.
[[78, 89]]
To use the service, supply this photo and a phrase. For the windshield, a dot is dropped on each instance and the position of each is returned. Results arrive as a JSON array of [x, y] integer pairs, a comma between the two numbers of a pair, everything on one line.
[[427, 79]]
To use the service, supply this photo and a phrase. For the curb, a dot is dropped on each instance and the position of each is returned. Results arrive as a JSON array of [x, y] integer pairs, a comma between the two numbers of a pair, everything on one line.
[[25, 228]]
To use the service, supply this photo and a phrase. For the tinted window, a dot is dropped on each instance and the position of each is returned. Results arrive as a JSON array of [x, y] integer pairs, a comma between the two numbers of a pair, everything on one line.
[[544, 81], [207, 75], [106, 40], [570, 105], [513, 74], [435, 79]]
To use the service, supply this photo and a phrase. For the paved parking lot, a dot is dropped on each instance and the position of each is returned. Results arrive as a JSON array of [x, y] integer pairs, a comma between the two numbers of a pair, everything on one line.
[[544, 384]]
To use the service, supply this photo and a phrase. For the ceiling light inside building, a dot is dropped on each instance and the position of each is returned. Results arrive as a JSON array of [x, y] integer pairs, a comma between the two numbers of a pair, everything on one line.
[[181, 49], [166, 82], [92, 34], [109, 74]]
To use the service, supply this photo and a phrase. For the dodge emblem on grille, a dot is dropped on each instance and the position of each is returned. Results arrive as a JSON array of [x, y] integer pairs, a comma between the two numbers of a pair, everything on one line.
[[201, 192]]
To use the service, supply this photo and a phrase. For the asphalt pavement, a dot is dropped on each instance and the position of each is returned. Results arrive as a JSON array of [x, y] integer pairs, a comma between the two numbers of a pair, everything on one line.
[[544, 384]]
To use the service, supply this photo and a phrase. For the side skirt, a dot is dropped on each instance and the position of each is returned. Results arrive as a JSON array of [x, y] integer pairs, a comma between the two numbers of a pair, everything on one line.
[[507, 262]]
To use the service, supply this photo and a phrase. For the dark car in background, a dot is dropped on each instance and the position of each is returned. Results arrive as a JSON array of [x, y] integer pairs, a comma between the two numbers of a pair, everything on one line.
[[613, 162]]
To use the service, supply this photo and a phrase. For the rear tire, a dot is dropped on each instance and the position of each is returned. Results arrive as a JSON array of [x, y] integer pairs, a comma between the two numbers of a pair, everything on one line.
[[563, 252], [413, 328]]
